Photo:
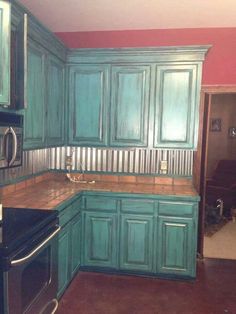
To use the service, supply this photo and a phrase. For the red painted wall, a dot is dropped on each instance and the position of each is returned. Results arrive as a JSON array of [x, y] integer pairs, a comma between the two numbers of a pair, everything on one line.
[[219, 66]]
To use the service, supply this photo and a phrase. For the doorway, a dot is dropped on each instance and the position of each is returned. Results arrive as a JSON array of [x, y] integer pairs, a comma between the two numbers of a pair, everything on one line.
[[216, 144]]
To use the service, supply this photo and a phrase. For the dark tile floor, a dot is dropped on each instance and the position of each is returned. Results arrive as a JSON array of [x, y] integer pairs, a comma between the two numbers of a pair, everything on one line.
[[213, 292]]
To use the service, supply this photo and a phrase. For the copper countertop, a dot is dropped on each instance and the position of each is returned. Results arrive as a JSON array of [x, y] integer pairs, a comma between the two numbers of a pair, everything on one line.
[[52, 192]]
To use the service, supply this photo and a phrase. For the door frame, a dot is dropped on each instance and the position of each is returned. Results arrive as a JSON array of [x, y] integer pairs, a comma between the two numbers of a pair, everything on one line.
[[199, 173]]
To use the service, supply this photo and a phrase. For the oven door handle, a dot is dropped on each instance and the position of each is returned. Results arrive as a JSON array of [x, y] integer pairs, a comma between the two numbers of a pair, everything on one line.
[[24, 259], [53, 301], [14, 145], [56, 305]]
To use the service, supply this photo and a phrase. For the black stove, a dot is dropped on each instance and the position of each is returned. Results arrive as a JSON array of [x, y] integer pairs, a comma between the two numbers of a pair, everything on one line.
[[28, 260], [22, 227]]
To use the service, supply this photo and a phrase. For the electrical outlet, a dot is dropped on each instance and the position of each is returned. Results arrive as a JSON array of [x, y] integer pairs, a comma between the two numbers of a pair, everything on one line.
[[163, 166]]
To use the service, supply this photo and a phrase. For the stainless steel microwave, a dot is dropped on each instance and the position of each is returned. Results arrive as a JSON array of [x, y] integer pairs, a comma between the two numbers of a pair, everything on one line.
[[11, 140]]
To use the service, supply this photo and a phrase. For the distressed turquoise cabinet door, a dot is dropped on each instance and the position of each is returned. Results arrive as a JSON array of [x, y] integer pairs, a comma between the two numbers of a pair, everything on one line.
[[176, 252], [5, 31], [75, 244], [100, 239], [55, 102], [176, 106], [130, 105], [136, 242], [34, 131], [63, 259], [88, 102]]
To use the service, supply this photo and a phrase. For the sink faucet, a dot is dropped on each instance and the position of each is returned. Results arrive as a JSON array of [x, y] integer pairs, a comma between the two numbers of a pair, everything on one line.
[[68, 164]]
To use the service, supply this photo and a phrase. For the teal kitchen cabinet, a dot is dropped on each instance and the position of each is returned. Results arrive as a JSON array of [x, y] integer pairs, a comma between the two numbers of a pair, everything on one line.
[[69, 244], [136, 242], [100, 239], [137, 235], [55, 102], [44, 114], [88, 105], [154, 96], [176, 105], [5, 32], [130, 95], [37, 79], [177, 239], [63, 259], [34, 114], [69, 251], [75, 244], [129, 233]]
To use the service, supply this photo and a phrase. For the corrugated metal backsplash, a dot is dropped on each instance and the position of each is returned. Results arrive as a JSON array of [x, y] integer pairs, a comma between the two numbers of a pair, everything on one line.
[[34, 161], [131, 161], [137, 161]]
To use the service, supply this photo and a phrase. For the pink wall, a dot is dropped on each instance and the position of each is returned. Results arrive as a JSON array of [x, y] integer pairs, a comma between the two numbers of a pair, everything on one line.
[[219, 67]]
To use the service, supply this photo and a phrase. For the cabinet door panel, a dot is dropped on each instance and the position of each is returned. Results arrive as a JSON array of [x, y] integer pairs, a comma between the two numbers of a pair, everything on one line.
[[35, 113], [19, 64], [130, 105], [55, 102], [175, 106], [136, 243], [89, 98], [100, 240], [177, 246], [63, 259], [75, 244], [5, 31]]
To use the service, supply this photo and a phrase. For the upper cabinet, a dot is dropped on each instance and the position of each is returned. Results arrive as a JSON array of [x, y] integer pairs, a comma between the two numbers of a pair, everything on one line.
[[88, 105], [32, 78], [55, 90], [5, 32], [44, 113], [176, 105], [34, 114], [108, 105], [19, 63], [145, 98], [130, 89], [127, 97], [13, 60]]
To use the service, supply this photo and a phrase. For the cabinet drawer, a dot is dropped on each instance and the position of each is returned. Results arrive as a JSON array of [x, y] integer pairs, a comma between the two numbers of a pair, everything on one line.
[[100, 202], [137, 206], [68, 213], [176, 209]]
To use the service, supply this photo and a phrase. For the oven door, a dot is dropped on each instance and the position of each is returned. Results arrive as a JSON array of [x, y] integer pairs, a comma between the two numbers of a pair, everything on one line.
[[32, 280]]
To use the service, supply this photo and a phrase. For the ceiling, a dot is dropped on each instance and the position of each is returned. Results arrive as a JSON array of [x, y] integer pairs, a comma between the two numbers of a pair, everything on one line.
[[104, 15]]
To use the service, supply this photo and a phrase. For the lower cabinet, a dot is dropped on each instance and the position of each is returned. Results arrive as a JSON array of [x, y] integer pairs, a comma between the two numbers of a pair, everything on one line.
[[176, 250], [136, 242], [100, 239], [68, 252], [140, 235], [75, 244], [119, 233], [63, 259], [177, 238]]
